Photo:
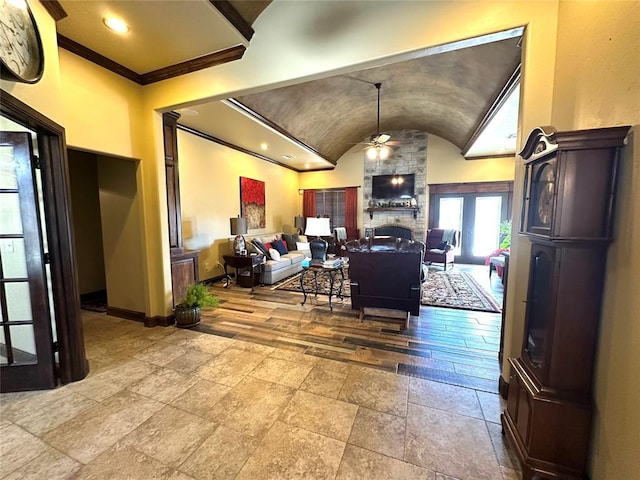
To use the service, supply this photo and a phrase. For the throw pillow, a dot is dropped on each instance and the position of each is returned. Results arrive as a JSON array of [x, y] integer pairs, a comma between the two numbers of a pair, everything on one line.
[[281, 247], [268, 245], [302, 238], [303, 246], [290, 241], [261, 248], [275, 255]]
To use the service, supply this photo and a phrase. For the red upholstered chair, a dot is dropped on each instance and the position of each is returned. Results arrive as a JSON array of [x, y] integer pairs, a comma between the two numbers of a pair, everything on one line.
[[440, 246]]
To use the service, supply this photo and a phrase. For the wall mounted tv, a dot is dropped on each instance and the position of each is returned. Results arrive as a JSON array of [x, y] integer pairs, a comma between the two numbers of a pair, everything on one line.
[[393, 186]]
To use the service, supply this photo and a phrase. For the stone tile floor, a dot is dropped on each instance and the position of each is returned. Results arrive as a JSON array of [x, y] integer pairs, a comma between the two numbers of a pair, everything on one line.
[[173, 404]]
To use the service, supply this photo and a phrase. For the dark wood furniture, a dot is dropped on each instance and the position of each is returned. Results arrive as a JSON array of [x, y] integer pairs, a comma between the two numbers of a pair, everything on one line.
[[436, 252], [249, 269], [385, 272], [184, 272], [567, 216], [184, 265], [331, 272]]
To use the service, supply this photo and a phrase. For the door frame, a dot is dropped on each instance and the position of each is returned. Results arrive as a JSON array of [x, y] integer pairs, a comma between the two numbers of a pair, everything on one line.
[[73, 365], [464, 189]]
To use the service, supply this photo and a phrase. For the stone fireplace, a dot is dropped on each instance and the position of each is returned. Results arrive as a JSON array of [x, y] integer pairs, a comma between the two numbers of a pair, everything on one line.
[[409, 156]]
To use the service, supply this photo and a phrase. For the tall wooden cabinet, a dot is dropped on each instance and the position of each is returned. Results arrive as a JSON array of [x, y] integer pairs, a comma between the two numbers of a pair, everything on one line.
[[184, 264], [567, 215]]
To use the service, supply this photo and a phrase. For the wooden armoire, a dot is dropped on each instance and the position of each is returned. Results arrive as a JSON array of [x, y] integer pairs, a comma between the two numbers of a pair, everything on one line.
[[567, 214]]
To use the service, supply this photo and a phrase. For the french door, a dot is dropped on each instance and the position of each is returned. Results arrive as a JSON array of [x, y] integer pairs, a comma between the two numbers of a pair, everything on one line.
[[26, 337], [477, 217]]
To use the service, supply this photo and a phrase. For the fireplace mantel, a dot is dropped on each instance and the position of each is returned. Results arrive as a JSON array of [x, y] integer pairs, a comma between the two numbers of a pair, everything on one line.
[[415, 210]]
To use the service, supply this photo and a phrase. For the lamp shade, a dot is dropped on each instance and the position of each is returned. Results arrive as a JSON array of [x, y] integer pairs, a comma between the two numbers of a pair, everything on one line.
[[238, 226], [320, 227], [298, 221]]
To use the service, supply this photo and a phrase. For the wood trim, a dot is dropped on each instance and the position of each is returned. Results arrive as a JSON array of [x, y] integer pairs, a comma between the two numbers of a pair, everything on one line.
[[159, 321], [100, 60], [73, 361], [219, 141], [265, 121], [55, 9], [125, 313], [234, 18], [472, 187], [206, 61], [200, 63], [488, 157], [511, 83]]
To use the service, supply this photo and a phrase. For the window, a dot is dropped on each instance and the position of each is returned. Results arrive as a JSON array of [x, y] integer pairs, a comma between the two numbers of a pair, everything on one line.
[[331, 203]]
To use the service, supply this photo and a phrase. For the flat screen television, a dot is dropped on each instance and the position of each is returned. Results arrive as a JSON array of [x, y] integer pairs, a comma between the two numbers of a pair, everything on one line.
[[393, 186]]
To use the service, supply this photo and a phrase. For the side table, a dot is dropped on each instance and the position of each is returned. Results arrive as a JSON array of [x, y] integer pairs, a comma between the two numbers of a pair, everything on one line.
[[241, 263], [331, 271]]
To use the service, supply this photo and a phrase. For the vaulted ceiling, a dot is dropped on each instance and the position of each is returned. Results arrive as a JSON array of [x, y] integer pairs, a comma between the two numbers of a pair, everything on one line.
[[453, 92]]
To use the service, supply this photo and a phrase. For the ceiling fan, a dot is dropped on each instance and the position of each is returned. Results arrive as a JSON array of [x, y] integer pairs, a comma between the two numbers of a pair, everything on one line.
[[378, 145]]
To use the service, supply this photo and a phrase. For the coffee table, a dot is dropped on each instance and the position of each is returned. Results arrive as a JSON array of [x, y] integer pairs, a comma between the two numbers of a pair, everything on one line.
[[332, 272]]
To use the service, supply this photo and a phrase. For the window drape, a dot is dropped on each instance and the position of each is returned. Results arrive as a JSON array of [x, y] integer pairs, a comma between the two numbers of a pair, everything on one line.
[[351, 207], [309, 203]]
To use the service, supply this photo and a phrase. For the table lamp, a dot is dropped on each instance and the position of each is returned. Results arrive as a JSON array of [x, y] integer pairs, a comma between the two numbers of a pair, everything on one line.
[[239, 228], [318, 227], [298, 222]]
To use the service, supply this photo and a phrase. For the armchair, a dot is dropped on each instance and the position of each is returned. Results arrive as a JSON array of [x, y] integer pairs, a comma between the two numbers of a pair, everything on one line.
[[341, 235], [385, 272], [440, 246]]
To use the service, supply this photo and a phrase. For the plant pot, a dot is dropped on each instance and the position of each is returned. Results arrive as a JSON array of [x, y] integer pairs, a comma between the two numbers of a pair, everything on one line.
[[186, 317]]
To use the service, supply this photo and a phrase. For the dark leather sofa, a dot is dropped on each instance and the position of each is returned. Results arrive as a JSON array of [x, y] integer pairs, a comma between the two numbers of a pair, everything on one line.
[[385, 272]]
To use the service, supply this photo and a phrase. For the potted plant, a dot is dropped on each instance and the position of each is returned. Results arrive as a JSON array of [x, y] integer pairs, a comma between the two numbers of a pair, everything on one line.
[[187, 312]]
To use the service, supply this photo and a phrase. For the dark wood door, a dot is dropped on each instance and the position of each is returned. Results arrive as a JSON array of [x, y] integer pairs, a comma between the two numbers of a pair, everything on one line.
[[26, 342]]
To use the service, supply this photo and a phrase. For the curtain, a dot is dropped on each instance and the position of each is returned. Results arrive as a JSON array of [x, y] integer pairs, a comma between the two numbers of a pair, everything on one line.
[[309, 203], [351, 207]]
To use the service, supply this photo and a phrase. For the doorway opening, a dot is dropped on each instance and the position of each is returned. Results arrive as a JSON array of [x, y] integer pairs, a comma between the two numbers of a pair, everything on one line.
[[476, 211]]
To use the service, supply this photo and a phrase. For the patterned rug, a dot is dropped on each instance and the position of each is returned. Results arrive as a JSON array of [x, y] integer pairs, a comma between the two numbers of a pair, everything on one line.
[[292, 284], [455, 289]]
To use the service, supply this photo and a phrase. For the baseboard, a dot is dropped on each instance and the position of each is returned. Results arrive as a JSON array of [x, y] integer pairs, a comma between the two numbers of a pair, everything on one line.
[[124, 313], [217, 278], [503, 387], [141, 317]]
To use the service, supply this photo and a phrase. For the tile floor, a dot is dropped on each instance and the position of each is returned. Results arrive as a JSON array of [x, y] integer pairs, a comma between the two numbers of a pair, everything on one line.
[[173, 404]]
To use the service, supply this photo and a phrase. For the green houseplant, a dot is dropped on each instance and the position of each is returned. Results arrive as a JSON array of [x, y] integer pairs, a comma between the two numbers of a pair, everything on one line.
[[187, 312], [505, 234]]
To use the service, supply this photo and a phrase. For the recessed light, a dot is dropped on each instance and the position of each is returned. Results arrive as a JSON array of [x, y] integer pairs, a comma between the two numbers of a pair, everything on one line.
[[306, 165], [264, 146], [115, 24]]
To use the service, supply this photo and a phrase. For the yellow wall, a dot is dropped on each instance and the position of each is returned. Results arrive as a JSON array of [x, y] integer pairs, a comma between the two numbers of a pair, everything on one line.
[[121, 218], [597, 84], [210, 196], [445, 164]]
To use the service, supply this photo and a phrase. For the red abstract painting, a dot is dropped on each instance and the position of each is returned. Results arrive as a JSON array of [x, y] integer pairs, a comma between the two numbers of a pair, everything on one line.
[[252, 202]]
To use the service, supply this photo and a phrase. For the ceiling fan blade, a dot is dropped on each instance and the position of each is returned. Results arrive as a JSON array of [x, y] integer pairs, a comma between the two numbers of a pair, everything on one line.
[[382, 138]]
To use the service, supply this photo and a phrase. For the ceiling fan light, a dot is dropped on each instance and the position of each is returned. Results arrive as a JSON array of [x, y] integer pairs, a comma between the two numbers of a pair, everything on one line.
[[384, 152], [372, 152]]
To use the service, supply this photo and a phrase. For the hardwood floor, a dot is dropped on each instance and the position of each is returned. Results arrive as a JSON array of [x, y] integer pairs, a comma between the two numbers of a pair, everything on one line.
[[446, 345]]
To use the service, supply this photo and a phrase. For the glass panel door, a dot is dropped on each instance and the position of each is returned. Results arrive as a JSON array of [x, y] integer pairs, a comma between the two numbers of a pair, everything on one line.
[[486, 233], [26, 352], [450, 216]]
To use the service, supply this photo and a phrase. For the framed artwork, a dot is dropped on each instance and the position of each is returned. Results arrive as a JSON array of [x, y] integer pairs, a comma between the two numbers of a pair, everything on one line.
[[252, 202]]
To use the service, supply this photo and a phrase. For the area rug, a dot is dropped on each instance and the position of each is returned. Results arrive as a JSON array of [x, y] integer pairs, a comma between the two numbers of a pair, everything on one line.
[[455, 289], [292, 284]]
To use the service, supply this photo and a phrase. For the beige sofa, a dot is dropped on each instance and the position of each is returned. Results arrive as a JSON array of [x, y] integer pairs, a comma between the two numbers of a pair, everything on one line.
[[288, 264]]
